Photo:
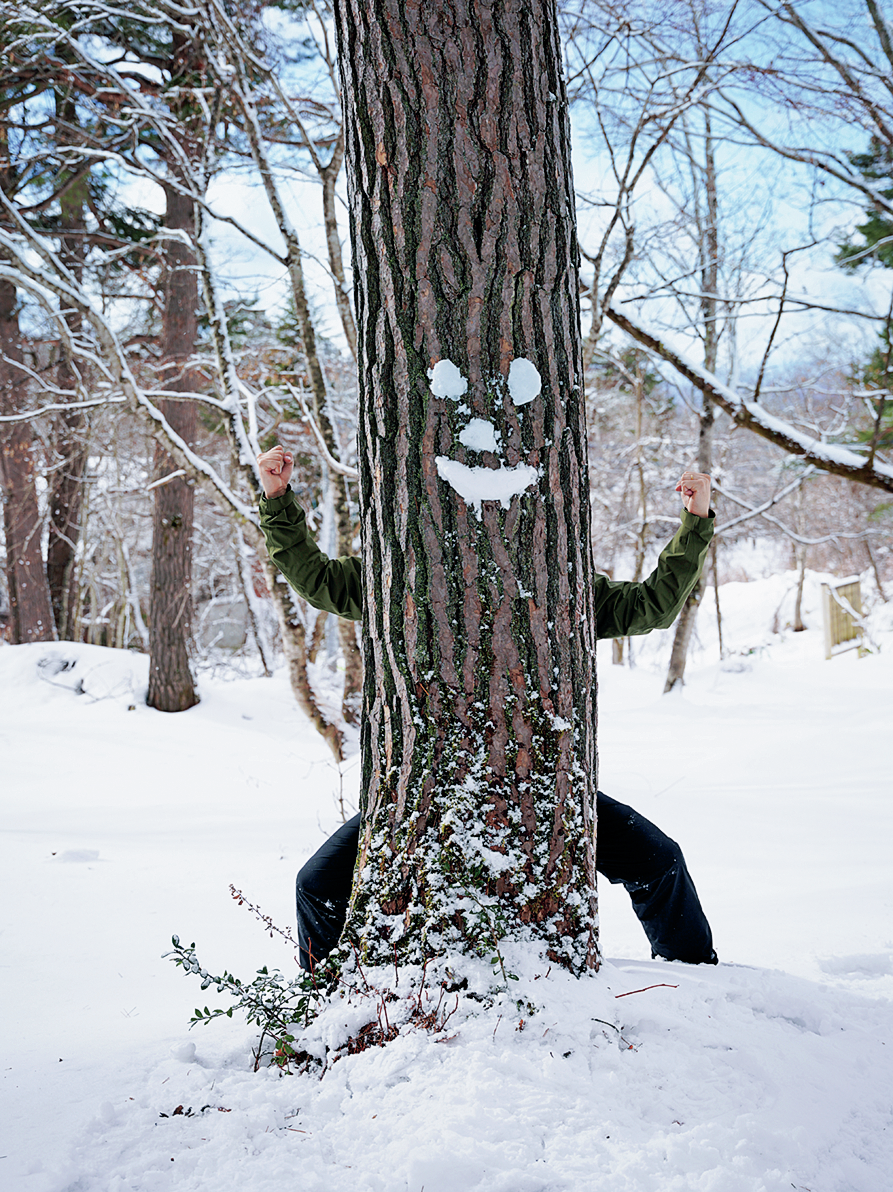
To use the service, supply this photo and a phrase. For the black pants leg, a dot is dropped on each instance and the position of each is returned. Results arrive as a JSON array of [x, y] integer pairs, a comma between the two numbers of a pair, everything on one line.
[[322, 892], [631, 850], [635, 853]]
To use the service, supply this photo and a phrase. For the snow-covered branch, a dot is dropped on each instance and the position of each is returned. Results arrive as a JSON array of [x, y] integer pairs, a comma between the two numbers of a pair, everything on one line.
[[52, 278], [335, 465], [830, 457], [60, 408], [758, 511]]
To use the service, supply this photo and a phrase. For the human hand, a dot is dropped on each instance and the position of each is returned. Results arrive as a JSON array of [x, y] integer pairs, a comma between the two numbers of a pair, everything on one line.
[[276, 467], [695, 489]]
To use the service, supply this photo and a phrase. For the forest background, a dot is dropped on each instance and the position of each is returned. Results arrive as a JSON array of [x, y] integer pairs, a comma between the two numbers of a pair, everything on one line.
[[175, 297]]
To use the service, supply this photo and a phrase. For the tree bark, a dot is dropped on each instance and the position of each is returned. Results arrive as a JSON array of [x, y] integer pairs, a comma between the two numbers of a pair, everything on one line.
[[31, 613], [479, 727], [171, 686]]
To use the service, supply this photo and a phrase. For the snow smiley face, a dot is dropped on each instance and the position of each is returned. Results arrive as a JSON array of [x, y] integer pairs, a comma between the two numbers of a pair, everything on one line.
[[478, 484]]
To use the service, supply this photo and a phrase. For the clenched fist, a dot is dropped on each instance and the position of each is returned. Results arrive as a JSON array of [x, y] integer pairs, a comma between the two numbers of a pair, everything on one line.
[[695, 489], [276, 467]]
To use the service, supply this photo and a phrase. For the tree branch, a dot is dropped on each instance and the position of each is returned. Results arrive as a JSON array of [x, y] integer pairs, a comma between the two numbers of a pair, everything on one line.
[[830, 457]]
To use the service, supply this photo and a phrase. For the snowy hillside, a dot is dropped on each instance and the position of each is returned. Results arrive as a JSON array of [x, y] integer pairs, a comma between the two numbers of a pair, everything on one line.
[[122, 826]]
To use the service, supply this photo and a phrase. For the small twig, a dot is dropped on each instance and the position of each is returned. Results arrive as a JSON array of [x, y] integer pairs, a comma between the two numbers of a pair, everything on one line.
[[660, 985], [617, 1028], [610, 1024], [265, 919], [360, 967], [382, 1009], [424, 975]]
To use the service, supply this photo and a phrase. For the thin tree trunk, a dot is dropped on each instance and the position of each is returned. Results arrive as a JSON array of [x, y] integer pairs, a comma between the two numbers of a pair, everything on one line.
[[617, 645], [318, 388], [801, 553], [709, 248], [329, 175], [30, 611], [714, 551], [65, 501], [478, 735], [252, 604], [71, 431], [294, 646], [877, 575], [682, 637], [171, 686], [318, 636]]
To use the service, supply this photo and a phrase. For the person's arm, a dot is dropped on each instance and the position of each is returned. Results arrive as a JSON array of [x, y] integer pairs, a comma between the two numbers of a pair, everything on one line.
[[629, 609], [332, 585]]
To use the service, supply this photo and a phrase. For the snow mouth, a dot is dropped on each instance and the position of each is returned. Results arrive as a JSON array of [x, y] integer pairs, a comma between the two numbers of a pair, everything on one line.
[[475, 485]]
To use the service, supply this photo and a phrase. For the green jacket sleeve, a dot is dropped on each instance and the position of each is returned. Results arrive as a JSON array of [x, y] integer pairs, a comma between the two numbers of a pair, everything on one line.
[[332, 585], [623, 609]]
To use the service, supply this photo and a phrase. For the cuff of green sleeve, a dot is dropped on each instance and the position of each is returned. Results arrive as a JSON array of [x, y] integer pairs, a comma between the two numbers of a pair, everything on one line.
[[275, 504], [699, 525]]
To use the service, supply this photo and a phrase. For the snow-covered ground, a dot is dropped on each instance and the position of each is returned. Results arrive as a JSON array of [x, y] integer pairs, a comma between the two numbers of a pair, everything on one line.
[[122, 826]]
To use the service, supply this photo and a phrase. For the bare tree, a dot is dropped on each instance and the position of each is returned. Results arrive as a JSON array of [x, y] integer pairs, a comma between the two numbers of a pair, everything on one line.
[[816, 82], [244, 95], [706, 220]]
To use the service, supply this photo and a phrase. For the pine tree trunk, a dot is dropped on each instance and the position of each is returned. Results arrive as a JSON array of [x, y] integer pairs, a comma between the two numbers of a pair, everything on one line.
[[479, 726], [30, 611], [171, 686]]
